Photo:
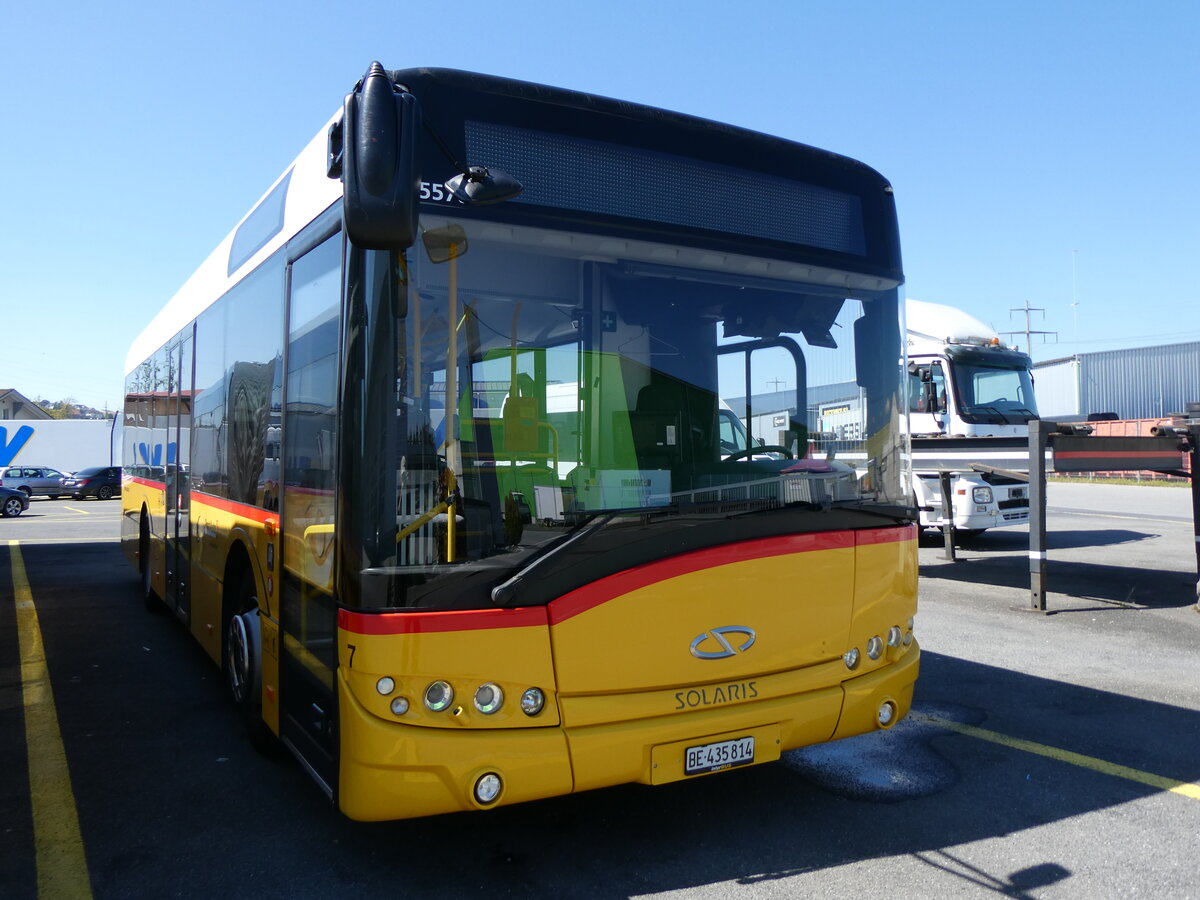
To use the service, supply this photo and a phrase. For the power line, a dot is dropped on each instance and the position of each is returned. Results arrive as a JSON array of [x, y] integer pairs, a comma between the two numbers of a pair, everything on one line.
[[1029, 332]]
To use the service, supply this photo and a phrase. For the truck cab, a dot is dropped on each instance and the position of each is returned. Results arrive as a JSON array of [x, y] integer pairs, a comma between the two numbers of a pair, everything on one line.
[[964, 383]]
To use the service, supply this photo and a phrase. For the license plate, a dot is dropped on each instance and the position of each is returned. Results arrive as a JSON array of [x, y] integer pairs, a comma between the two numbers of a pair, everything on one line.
[[721, 755]]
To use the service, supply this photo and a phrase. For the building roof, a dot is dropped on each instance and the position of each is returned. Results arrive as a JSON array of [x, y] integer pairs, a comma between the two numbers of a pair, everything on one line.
[[25, 408]]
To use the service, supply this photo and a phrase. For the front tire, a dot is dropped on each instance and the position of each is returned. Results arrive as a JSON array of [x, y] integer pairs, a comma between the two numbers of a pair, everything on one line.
[[12, 507], [243, 665], [105, 492]]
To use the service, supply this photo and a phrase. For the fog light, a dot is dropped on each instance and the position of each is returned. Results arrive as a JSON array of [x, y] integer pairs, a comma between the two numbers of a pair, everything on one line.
[[399, 706], [850, 657], [438, 696], [487, 788], [887, 712], [385, 685], [875, 647], [532, 701], [895, 635], [488, 698]]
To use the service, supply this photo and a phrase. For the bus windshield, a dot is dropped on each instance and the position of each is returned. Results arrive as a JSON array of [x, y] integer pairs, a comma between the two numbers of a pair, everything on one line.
[[548, 377]]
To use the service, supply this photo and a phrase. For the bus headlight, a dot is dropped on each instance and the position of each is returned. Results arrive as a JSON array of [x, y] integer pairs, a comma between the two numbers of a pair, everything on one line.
[[438, 696], [886, 714], [487, 788], [532, 701], [875, 647], [399, 706], [385, 685], [488, 698], [895, 635], [850, 658]]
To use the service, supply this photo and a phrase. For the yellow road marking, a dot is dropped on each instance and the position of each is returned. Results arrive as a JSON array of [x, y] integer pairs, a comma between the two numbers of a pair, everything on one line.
[[1187, 789], [58, 845]]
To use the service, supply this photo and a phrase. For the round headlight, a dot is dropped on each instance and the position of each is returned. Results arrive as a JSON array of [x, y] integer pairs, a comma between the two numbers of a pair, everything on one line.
[[438, 696], [887, 712], [895, 635], [487, 788], [385, 685], [875, 647], [399, 706], [532, 701], [850, 657], [488, 698]]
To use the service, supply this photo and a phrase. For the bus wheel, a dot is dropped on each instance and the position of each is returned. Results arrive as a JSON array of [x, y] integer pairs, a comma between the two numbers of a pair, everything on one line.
[[243, 665], [149, 598]]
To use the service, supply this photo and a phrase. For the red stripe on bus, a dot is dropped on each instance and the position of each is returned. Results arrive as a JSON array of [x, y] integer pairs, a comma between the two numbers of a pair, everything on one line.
[[245, 510], [885, 535], [599, 592], [146, 482], [1119, 454], [437, 621]]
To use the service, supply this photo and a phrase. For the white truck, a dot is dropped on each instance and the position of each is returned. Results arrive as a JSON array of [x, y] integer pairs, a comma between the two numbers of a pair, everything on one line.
[[969, 401]]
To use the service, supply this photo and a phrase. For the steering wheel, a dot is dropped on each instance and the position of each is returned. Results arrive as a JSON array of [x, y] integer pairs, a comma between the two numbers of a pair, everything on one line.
[[764, 448]]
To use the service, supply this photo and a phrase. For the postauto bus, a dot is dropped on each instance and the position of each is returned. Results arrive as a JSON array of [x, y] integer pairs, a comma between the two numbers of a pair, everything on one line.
[[469, 297]]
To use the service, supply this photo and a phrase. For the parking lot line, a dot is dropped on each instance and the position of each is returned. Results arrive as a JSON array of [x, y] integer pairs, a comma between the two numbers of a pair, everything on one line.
[[58, 845], [1186, 789]]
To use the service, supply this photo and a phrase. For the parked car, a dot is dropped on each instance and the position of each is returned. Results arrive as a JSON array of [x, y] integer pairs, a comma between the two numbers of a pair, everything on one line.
[[101, 482], [32, 480], [12, 502]]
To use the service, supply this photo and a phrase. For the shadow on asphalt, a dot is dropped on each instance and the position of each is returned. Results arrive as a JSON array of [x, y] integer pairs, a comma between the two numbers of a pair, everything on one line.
[[1002, 560]]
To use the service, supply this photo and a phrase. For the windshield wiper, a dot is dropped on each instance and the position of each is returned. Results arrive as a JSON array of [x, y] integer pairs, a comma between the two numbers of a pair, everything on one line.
[[503, 593]]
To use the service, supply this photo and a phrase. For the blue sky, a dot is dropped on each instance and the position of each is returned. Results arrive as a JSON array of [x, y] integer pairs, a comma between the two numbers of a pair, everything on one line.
[[1041, 153]]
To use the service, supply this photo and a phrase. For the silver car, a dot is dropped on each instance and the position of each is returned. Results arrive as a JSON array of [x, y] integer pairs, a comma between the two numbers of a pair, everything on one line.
[[41, 480]]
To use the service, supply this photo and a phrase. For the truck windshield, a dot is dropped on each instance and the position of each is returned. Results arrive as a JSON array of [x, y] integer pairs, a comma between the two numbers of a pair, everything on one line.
[[994, 394], [546, 378]]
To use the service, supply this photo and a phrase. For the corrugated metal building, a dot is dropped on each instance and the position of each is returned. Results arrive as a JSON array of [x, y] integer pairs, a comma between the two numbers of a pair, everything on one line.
[[1137, 383]]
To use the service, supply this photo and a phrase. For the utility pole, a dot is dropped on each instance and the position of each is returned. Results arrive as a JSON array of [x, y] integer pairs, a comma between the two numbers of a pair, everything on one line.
[[1029, 332]]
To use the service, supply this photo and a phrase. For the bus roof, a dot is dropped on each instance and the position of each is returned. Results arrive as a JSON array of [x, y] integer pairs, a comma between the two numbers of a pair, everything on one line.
[[309, 192]]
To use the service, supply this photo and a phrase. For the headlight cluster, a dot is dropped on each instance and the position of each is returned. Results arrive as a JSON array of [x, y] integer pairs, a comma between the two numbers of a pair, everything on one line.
[[981, 494], [439, 697], [896, 637]]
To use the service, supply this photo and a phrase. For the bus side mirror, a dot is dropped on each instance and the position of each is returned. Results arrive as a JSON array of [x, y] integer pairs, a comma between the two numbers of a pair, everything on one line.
[[373, 150]]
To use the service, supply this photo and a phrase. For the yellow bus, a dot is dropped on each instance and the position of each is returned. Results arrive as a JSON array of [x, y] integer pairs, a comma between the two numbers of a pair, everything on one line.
[[434, 454]]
